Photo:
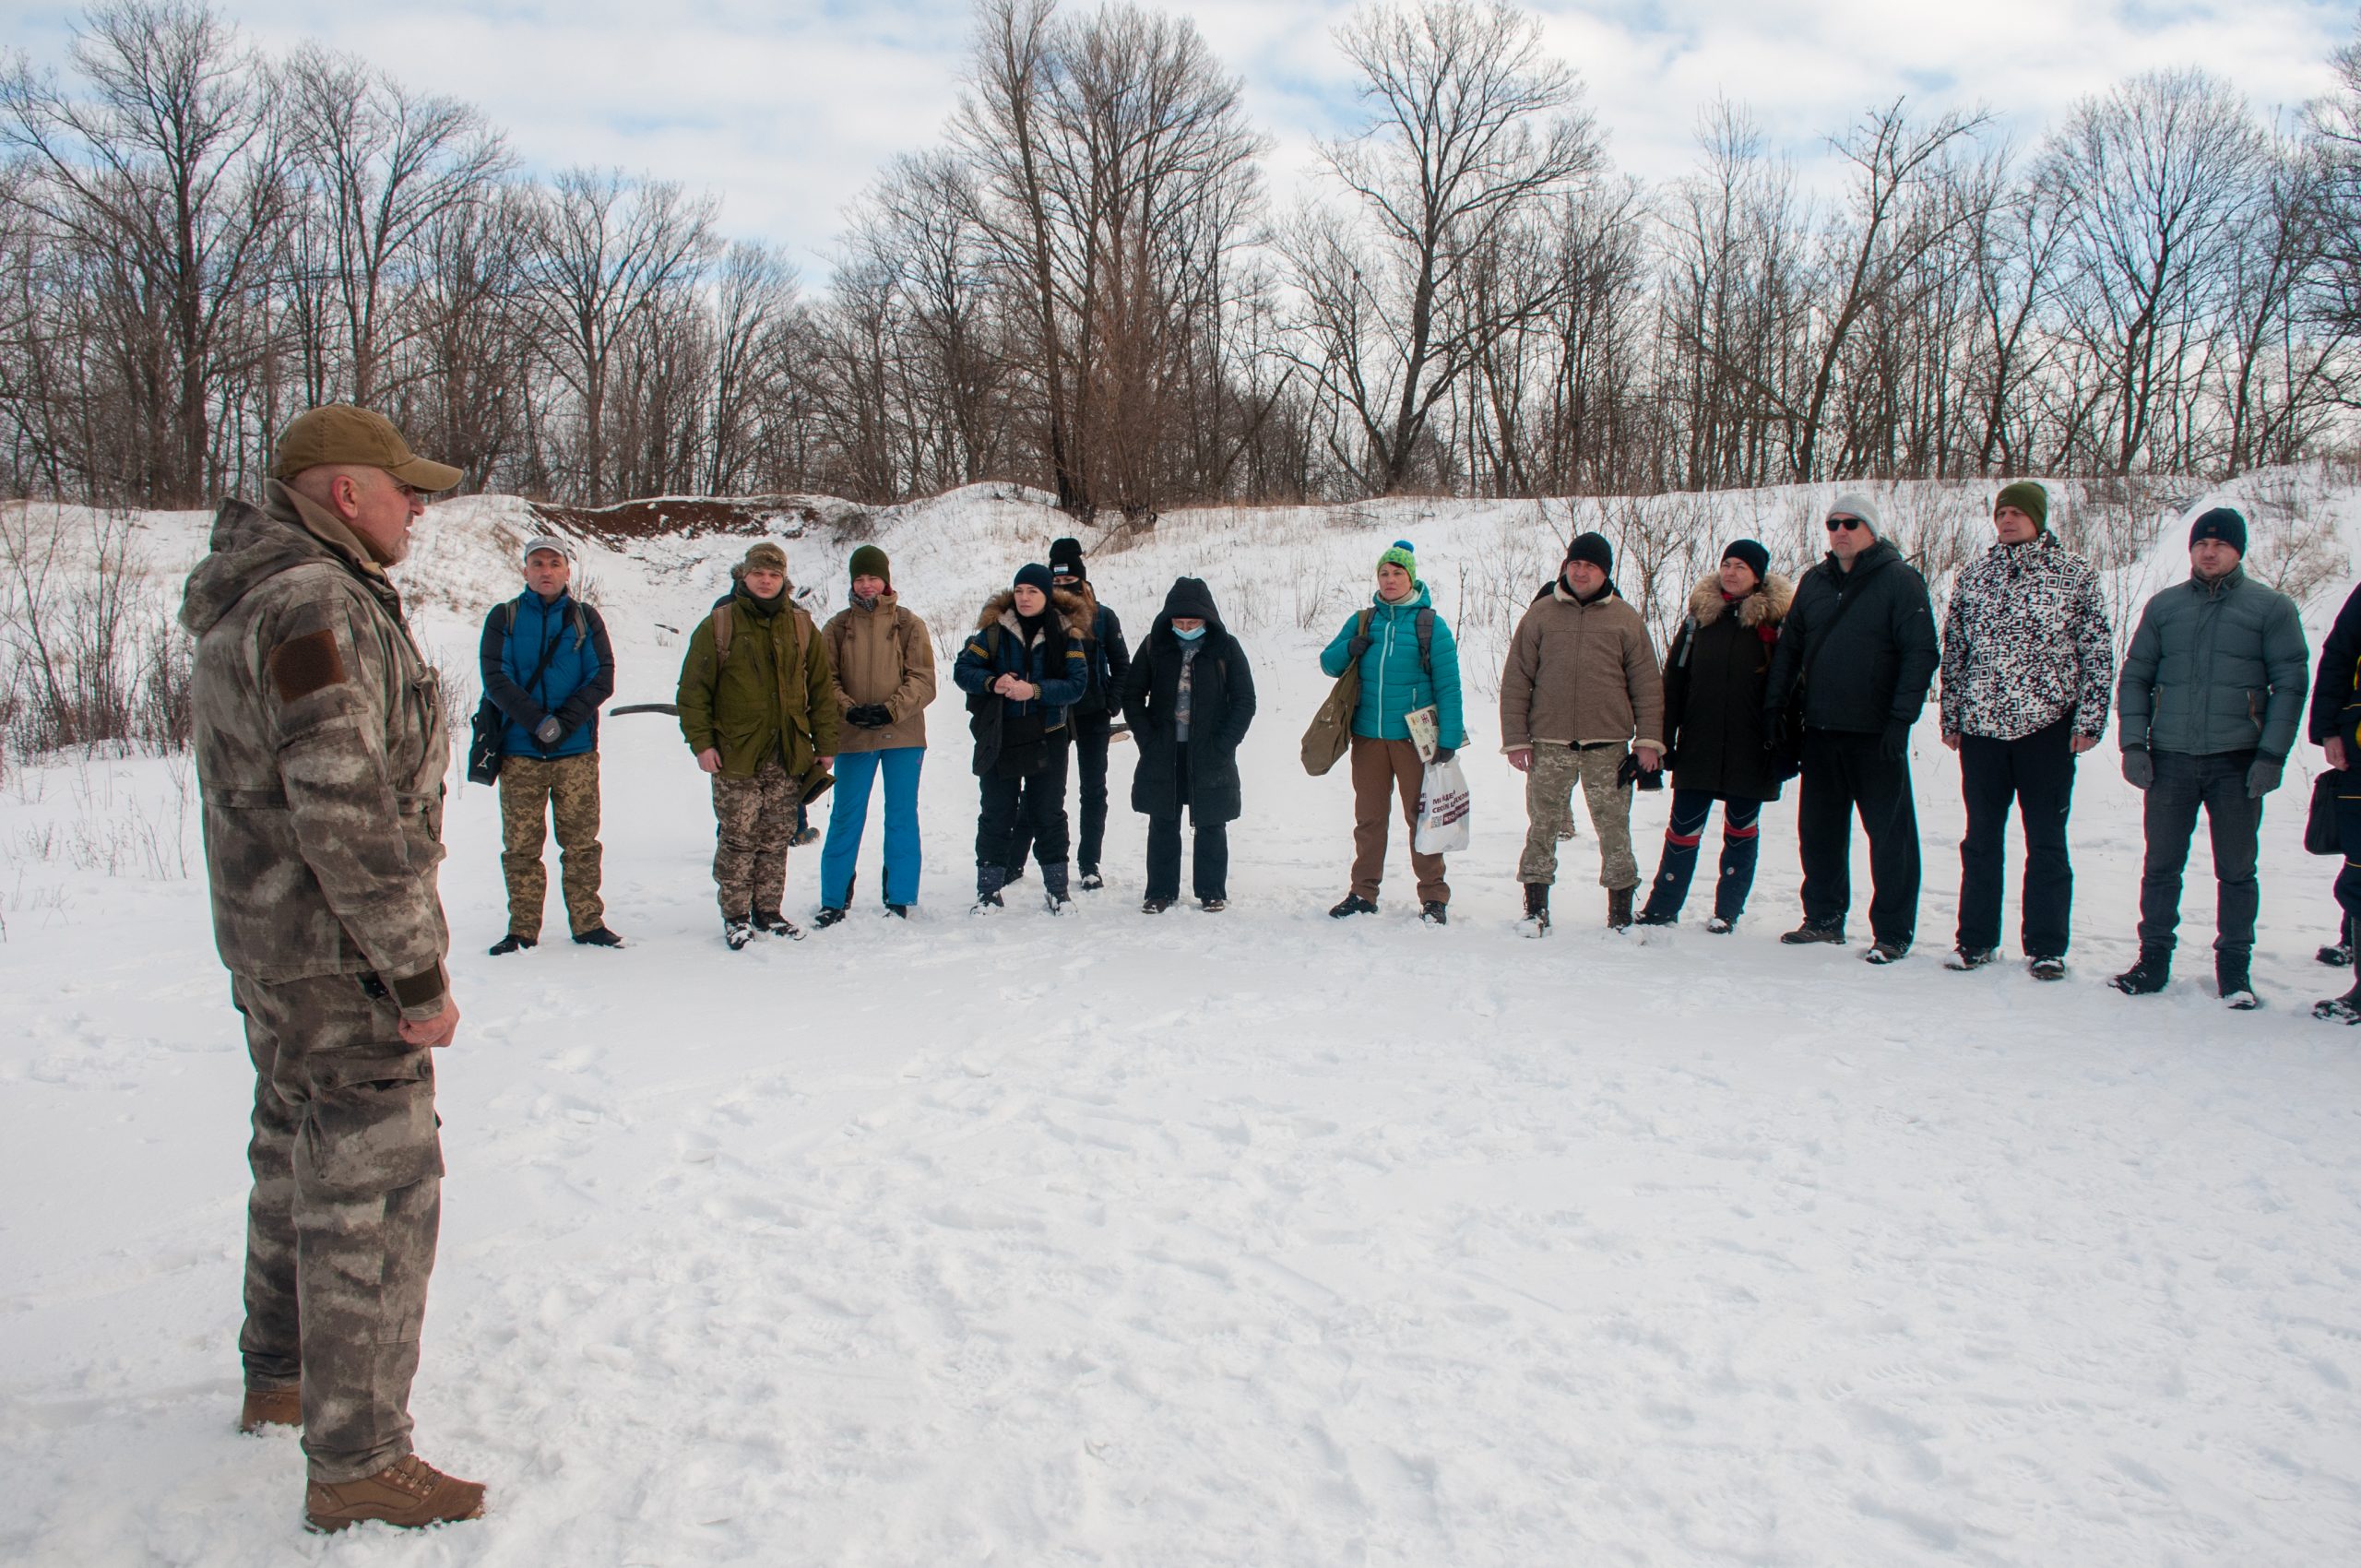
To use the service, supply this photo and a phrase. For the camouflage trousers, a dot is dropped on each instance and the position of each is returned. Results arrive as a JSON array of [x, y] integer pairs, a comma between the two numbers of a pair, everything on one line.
[[754, 822], [533, 791], [341, 1221], [1550, 812]]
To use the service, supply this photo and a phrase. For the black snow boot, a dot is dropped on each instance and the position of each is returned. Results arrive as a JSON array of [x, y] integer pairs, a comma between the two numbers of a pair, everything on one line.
[[2149, 976], [1537, 910], [512, 943], [1054, 893], [989, 881], [1619, 909], [1352, 903], [2236, 985]]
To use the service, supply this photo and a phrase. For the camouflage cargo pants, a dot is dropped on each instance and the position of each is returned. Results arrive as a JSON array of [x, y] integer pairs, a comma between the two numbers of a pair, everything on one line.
[[532, 792], [754, 822], [1550, 812], [341, 1221]]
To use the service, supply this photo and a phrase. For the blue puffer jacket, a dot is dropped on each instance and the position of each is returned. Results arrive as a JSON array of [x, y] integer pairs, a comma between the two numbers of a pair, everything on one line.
[[580, 674], [2216, 667], [1393, 681]]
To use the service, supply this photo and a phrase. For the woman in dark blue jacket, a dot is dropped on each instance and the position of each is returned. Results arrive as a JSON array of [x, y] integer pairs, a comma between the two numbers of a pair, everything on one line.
[[1022, 668]]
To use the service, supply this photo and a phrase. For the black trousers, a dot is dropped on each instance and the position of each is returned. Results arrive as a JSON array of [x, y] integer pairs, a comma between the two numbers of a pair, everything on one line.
[[1088, 734], [2348, 879], [2035, 773], [1209, 848], [2233, 818], [1031, 810], [1845, 773]]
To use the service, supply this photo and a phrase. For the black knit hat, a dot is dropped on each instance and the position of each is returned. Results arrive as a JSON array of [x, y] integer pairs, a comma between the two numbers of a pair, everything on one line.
[[1757, 560], [2221, 523], [1065, 559], [1593, 548], [1033, 575], [1190, 599]]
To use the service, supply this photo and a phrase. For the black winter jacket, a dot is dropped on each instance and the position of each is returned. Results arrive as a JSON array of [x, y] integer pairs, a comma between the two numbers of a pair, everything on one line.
[[1221, 706], [1714, 680], [2336, 685], [1880, 655]]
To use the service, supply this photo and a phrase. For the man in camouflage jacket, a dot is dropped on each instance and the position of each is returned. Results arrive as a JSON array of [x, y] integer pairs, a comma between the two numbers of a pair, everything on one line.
[[2028, 672], [320, 754]]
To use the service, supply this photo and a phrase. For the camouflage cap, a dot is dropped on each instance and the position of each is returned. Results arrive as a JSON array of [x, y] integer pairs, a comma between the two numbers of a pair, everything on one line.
[[338, 433], [764, 557]]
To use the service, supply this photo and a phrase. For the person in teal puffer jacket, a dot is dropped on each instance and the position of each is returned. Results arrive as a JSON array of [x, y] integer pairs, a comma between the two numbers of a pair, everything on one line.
[[1397, 679]]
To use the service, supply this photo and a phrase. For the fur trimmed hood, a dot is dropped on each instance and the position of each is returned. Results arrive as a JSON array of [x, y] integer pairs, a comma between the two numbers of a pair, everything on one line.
[[1001, 610], [1766, 606]]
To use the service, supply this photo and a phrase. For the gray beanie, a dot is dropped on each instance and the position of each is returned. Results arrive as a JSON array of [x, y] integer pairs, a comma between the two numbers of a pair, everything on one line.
[[1853, 504]]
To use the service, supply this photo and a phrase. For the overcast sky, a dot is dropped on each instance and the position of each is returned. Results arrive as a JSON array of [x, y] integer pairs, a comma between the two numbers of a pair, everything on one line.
[[786, 107]]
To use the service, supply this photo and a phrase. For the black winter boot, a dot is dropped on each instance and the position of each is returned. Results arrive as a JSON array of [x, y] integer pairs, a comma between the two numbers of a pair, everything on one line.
[[1054, 893], [1619, 909], [1352, 903], [512, 943], [1537, 910], [989, 881], [2236, 984], [2149, 976]]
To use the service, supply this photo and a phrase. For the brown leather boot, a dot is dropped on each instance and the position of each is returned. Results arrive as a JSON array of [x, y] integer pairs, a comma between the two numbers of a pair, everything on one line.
[[270, 1407], [408, 1495], [1619, 909]]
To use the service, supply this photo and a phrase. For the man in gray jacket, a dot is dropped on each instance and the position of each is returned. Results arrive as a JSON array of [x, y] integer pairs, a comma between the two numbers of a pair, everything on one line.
[[320, 754], [2212, 694]]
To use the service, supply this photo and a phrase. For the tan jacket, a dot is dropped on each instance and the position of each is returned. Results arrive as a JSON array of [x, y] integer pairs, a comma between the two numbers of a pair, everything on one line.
[[320, 754], [882, 655], [1580, 674]]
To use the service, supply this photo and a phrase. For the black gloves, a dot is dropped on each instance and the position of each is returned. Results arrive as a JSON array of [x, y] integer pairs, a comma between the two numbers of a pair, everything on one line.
[[869, 715], [1895, 744], [1444, 754], [2264, 776], [1775, 729], [1359, 646], [549, 731], [1630, 773], [2139, 768]]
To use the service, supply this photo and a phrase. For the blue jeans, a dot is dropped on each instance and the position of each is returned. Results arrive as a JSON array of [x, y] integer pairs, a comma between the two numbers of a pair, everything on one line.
[[849, 813]]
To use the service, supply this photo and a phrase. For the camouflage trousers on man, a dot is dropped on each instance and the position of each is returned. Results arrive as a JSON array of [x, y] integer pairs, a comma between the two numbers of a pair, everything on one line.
[[341, 1224], [1549, 811], [753, 823], [532, 792]]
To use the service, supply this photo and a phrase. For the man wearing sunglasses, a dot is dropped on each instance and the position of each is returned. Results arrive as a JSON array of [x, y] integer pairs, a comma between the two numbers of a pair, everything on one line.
[[1858, 652]]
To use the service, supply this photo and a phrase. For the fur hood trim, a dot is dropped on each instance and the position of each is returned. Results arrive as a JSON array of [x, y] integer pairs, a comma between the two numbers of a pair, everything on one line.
[[1766, 606], [1001, 610]]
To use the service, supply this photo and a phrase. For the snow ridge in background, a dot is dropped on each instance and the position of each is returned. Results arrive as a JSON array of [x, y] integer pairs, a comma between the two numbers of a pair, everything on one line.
[[1215, 1239]]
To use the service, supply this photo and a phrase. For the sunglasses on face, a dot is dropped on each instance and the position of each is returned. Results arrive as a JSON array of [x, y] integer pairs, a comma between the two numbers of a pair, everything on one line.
[[1838, 524]]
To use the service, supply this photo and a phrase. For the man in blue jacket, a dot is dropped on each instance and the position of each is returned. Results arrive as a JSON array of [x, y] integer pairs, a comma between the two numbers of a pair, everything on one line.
[[547, 666], [2212, 694]]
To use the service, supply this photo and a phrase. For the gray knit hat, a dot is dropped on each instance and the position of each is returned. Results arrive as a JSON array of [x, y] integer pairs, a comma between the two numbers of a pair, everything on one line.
[[1853, 504]]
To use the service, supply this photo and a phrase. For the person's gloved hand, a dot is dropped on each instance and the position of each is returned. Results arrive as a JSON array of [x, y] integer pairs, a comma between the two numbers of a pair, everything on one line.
[[2139, 768], [1774, 729], [1359, 646], [869, 715], [1895, 744], [1444, 754], [2264, 776], [549, 731]]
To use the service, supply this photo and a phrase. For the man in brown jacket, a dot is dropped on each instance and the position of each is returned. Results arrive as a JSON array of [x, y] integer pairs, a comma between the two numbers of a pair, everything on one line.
[[1581, 684], [320, 754], [885, 671]]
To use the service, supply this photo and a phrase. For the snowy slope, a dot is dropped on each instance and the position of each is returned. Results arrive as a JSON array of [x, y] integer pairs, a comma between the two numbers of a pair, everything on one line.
[[1212, 1240]]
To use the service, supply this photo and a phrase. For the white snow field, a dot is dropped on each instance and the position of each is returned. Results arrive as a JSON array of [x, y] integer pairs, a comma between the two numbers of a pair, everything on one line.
[[1228, 1239]]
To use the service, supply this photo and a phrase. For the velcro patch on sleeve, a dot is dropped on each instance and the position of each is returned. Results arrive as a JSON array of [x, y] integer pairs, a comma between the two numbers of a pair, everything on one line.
[[301, 666]]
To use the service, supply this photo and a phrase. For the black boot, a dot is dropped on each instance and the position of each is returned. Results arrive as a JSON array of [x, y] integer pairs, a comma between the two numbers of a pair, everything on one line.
[[2149, 976], [1619, 909], [2236, 984], [512, 943], [1352, 903], [1054, 893], [1537, 910], [989, 881]]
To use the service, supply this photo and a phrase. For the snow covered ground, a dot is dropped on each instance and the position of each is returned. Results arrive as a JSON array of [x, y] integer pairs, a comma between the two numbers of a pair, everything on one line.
[[1223, 1240]]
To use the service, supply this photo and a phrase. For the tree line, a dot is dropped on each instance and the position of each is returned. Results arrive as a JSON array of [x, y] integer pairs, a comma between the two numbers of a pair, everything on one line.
[[1087, 286]]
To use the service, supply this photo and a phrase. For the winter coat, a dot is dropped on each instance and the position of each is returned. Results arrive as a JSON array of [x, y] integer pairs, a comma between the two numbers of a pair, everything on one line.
[[320, 753], [2213, 668], [578, 676], [1013, 737], [2336, 686], [773, 696], [1107, 659], [1221, 707], [1713, 681], [1394, 682], [2025, 643], [1880, 655], [1578, 673], [882, 655]]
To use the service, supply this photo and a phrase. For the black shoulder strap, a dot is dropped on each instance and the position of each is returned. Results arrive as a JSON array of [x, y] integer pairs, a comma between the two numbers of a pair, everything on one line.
[[1427, 640]]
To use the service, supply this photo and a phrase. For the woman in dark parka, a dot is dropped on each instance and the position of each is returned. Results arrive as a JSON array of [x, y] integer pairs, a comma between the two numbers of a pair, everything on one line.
[[1189, 699]]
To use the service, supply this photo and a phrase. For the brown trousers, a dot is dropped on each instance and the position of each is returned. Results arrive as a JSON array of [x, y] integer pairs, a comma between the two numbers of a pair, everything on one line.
[[1381, 770]]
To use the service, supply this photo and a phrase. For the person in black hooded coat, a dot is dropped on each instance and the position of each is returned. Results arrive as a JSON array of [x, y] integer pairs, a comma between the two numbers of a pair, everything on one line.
[[1189, 697]]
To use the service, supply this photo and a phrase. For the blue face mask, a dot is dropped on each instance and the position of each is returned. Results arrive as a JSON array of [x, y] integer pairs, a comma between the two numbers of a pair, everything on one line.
[[1189, 637]]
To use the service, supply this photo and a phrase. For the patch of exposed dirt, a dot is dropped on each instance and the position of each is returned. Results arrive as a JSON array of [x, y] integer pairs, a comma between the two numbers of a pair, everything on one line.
[[689, 516]]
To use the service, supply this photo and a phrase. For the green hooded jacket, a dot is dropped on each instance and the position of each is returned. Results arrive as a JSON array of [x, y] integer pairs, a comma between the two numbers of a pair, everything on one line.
[[774, 696]]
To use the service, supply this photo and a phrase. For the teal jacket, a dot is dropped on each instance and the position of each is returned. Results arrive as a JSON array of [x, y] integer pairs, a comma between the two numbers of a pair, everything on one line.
[[1393, 682], [2214, 666]]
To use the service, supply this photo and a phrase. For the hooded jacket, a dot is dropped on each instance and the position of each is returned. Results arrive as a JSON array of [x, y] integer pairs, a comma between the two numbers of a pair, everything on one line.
[[882, 655], [1107, 658], [1872, 662], [1714, 680], [1012, 734], [2336, 685], [2216, 667], [1581, 673], [773, 696], [1221, 707], [2025, 643], [1394, 682], [320, 754]]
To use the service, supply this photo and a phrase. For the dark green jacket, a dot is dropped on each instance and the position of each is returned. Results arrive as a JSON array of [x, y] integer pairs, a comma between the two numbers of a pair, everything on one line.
[[2214, 666], [774, 696]]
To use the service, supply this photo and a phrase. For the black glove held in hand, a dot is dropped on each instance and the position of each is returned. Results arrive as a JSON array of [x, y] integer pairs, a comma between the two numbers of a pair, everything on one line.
[[869, 715], [549, 731], [1895, 744], [2139, 768], [1354, 649]]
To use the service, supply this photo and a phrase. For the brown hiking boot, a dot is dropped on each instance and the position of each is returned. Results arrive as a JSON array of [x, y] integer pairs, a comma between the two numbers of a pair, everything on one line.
[[408, 1495], [270, 1407]]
